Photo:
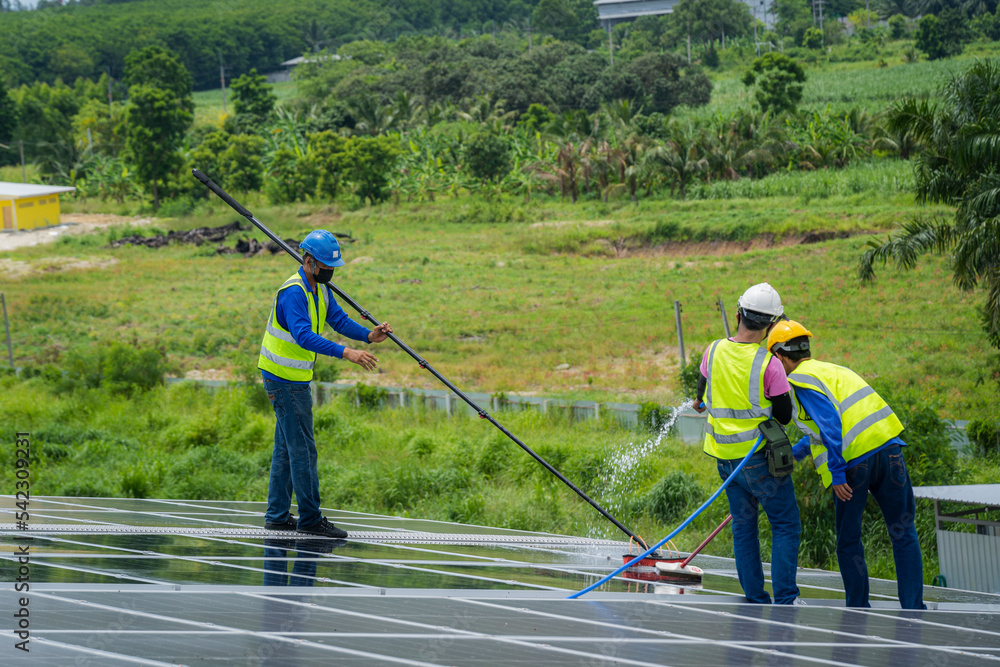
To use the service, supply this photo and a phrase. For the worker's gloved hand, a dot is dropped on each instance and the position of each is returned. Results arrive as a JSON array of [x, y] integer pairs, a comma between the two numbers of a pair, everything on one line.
[[698, 405], [366, 360]]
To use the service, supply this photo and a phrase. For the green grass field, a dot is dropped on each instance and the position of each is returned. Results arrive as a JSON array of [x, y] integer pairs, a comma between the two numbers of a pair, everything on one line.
[[208, 103], [497, 307]]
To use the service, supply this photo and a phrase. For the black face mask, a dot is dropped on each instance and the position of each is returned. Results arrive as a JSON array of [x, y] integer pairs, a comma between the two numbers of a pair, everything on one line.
[[323, 276]]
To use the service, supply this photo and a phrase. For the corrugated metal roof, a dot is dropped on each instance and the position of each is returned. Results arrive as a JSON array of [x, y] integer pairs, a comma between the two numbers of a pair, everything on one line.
[[22, 190], [976, 494]]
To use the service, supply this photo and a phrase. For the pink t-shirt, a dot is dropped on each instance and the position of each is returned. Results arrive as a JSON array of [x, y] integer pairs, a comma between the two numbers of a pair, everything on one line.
[[775, 381]]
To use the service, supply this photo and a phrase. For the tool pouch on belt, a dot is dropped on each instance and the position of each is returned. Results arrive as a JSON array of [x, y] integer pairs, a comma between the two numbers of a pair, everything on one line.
[[777, 448]]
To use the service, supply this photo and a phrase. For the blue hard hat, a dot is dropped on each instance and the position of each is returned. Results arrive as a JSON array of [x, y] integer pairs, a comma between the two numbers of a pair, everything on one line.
[[322, 245]]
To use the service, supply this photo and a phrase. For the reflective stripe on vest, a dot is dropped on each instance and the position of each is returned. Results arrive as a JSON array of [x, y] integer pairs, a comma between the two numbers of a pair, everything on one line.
[[867, 422], [816, 448], [735, 397], [280, 355]]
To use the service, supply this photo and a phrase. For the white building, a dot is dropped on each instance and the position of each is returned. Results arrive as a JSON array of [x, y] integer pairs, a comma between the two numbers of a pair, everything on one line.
[[610, 12]]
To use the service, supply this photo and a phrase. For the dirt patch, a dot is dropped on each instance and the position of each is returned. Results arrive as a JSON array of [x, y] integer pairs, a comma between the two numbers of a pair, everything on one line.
[[725, 248], [72, 223], [13, 268], [322, 217]]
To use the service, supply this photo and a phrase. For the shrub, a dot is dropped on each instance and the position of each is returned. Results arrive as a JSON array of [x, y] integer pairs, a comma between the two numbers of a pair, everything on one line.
[[488, 157], [369, 398], [812, 38], [181, 207], [652, 416], [778, 80], [690, 374], [897, 26], [670, 498], [930, 458], [984, 435], [122, 368]]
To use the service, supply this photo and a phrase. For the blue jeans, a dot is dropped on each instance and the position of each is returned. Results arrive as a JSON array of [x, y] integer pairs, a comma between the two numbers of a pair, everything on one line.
[[293, 463], [753, 485], [884, 474]]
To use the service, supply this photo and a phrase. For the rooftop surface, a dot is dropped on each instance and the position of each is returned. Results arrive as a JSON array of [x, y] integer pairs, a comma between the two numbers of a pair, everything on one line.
[[21, 190], [158, 582], [975, 494]]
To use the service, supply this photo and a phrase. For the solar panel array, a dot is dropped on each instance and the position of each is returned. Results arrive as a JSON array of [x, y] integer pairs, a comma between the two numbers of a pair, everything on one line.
[[125, 581]]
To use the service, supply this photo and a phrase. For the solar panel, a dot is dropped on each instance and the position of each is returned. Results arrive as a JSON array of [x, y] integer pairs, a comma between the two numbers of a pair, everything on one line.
[[145, 581]]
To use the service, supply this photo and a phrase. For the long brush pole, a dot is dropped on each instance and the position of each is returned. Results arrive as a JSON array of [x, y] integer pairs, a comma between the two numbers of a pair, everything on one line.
[[707, 540], [420, 360]]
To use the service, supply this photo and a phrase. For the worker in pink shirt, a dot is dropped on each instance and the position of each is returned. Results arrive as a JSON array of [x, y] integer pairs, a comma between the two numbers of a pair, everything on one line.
[[742, 386]]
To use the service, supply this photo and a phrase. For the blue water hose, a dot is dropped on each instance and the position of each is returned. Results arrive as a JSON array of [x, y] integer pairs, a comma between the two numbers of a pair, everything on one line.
[[676, 531]]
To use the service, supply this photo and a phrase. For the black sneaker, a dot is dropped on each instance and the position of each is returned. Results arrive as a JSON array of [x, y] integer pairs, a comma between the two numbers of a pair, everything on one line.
[[324, 529], [288, 524]]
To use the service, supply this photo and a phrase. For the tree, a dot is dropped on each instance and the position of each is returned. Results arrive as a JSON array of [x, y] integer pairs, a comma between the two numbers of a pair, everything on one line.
[[105, 126], [657, 81], [711, 20], [253, 101], [958, 167], [329, 161], [812, 38], [569, 20], [371, 160], [897, 26], [488, 157], [942, 36], [8, 116], [554, 16], [155, 122], [794, 18], [232, 161], [779, 81], [157, 67], [70, 61], [928, 38], [536, 117]]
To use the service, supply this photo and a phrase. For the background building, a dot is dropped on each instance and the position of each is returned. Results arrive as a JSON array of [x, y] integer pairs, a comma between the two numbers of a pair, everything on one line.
[[610, 12], [28, 206]]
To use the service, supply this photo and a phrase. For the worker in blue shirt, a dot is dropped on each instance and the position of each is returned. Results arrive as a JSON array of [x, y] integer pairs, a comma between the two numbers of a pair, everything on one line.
[[853, 436], [292, 340]]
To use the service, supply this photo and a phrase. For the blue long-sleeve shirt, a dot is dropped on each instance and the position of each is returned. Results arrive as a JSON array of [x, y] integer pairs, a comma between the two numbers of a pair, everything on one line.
[[293, 315], [827, 422]]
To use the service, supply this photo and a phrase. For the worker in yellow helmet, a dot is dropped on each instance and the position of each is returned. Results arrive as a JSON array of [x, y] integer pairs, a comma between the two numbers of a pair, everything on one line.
[[743, 386], [854, 439]]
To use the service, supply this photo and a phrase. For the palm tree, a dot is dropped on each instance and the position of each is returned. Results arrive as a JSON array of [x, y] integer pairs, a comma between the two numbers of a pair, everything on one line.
[[406, 109], [372, 118], [958, 165], [682, 159]]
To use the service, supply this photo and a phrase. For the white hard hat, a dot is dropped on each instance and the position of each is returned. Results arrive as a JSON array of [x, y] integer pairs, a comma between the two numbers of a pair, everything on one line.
[[762, 298]]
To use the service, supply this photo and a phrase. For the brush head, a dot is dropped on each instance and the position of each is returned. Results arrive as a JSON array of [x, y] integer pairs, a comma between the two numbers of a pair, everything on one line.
[[674, 570]]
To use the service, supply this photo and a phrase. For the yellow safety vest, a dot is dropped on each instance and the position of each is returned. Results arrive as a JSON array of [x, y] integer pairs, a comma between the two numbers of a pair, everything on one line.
[[866, 420], [279, 353], [816, 448], [735, 398]]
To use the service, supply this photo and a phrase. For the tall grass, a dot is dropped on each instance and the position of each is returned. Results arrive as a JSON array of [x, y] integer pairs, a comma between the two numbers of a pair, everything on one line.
[[881, 177]]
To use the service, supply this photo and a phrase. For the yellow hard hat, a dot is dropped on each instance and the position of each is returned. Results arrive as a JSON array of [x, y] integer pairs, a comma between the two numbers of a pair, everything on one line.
[[784, 331]]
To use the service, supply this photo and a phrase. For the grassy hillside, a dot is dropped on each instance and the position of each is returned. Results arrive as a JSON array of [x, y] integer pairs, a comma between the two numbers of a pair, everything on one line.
[[498, 307]]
